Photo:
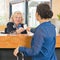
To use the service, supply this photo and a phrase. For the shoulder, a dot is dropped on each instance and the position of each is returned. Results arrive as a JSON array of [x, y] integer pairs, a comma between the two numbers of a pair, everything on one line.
[[40, 30], [10, 23]]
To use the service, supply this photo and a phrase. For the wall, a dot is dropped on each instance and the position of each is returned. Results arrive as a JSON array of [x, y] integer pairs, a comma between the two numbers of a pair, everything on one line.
[[56, 7], [4, 11], [7, 9]]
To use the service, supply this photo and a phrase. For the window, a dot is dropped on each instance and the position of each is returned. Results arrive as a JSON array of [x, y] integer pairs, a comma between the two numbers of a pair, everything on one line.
[[19, 6], [32, 4], [28, 8]]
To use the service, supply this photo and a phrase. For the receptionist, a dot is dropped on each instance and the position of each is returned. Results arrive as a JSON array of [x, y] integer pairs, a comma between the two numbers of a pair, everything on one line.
[[16, 24]]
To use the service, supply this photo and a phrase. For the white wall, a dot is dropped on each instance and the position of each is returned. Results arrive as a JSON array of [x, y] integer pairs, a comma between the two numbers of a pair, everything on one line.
[[4, 11]]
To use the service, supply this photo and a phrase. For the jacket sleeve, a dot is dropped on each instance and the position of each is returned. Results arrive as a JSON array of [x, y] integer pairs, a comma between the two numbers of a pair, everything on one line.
[[36, 45], [33, 30], [10, 28]]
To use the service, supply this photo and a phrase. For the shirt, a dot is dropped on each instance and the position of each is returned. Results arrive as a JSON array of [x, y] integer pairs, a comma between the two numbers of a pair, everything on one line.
[[43, 43]]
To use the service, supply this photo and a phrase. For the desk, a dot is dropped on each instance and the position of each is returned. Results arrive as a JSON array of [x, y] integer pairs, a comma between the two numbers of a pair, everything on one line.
[[9, 42], [13, 41], [58, 41]]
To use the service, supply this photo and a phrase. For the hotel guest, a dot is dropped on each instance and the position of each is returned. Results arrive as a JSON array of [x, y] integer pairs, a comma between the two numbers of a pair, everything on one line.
[[44, 39]]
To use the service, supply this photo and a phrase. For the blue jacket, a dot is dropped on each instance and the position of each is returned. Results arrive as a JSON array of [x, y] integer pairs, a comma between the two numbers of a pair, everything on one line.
[[43, 43]]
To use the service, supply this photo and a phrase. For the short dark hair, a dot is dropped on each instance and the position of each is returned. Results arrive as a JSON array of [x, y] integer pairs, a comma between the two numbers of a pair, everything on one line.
[[44, 11]]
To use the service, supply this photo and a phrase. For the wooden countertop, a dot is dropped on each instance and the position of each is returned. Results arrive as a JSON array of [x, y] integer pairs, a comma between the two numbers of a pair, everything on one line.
[[58, 41], [13, 41]]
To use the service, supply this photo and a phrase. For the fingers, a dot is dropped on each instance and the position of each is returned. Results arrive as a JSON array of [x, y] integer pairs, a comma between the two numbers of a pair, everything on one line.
[[15, 52], [20, 30], [28, 29]]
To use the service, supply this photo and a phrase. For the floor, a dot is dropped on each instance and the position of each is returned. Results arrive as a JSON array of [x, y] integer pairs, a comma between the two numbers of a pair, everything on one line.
[[7, 54]]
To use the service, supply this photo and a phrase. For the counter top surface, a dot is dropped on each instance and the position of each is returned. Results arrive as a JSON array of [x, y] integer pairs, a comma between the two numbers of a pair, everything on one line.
[[13, 41]]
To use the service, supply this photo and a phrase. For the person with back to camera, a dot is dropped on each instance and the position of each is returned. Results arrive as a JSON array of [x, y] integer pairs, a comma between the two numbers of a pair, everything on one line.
[[16, 25], [44, 39]]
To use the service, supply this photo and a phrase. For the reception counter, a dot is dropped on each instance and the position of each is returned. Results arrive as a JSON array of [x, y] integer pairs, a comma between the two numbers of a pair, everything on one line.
[[58, 41], [9, 42], [13, 41]]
